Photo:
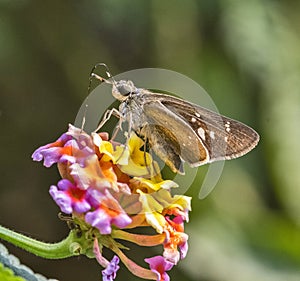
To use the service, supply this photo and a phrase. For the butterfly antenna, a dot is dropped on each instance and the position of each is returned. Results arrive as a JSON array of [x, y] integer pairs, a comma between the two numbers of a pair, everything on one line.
[[108, 73], [91, 77], [98, 77]]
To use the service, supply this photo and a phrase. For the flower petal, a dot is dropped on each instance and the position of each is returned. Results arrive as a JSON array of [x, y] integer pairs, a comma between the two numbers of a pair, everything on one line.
[[107, 213], [69, 197], [110, 272], [89, 176], [159, 266], [152, 211]]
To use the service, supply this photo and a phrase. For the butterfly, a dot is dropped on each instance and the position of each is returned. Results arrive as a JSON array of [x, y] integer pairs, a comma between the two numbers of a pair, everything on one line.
[[179, 131]]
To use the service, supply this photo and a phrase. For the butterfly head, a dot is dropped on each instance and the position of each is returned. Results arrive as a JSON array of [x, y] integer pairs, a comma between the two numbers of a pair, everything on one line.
[[122, 89]]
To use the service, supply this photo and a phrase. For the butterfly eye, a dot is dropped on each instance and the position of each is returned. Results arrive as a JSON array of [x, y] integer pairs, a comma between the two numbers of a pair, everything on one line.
[[124, 89]]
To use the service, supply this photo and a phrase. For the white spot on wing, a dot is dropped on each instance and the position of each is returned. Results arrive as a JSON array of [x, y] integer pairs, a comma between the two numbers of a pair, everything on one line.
[[227, 126], [193, 119], [197, 114], [201, 133], [212, 134]]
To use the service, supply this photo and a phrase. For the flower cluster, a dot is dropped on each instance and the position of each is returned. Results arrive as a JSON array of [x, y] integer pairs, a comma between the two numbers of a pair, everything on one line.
[[109, 188]]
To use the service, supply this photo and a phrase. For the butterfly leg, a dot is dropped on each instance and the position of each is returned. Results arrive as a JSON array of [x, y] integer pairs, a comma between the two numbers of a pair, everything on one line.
[[145, 158], [127, 133], [107, 116], [152, 170]]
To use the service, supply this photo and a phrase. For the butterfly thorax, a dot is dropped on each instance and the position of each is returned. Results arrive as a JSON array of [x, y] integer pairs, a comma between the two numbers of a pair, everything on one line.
[[132, 100]]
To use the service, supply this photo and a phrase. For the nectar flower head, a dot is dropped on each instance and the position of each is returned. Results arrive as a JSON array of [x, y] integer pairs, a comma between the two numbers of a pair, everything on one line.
[[107, 188]]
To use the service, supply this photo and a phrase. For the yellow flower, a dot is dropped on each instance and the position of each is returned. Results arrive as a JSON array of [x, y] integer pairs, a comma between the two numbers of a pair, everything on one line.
[[140, 163], [152, 211], [149, 186]]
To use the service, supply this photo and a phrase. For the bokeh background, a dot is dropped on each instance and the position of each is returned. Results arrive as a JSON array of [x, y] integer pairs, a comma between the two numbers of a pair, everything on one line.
[[244, 53]]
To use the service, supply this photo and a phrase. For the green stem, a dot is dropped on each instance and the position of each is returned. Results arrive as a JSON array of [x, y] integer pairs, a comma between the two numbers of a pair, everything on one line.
[[68, 247]]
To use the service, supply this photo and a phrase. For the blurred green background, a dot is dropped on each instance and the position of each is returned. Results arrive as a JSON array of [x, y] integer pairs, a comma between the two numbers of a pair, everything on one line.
[[246, 54]]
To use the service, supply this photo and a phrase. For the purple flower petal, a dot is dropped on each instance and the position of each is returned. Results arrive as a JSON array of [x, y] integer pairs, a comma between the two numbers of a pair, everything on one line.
[[61, 199], [122, 220], [50, 155], [100, 220], [64, 185], [51, 152], [110, 272], [73, 146], [108, 212], [183, 249], [94, 197], [81, 207], [69, 197]]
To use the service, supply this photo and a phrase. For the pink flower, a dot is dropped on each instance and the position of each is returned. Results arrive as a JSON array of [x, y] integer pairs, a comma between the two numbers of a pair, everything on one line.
[[53, 152], [159, 266], [69, 197], [73, 146], [108, 211], [108, 188], [176, 238]]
